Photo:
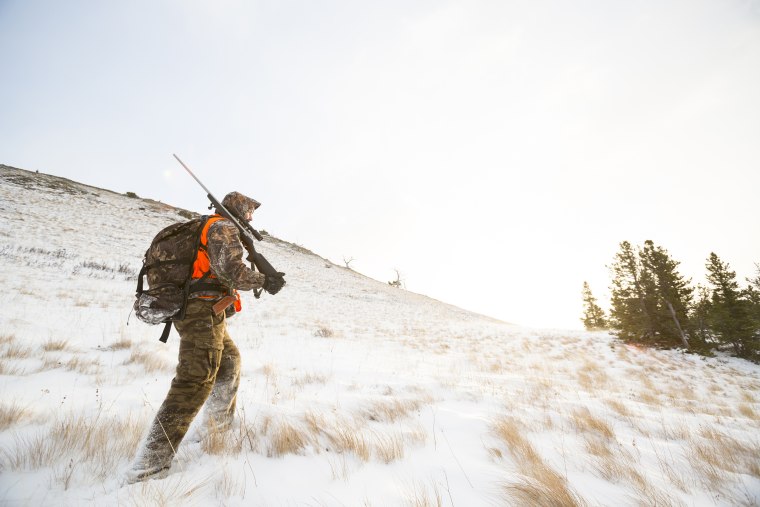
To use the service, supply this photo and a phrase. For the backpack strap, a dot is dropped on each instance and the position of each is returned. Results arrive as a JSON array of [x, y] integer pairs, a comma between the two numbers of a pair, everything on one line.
[[143, 272], [166, 331]]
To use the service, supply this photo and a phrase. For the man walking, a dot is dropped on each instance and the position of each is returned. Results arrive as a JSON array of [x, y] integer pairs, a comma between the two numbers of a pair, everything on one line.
[[208, 370]]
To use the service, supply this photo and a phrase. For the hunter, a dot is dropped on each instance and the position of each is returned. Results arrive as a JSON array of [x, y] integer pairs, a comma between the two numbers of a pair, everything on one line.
[[208, 371]]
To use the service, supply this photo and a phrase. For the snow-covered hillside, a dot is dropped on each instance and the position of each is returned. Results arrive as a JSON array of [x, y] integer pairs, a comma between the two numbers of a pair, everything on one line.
[[353, 392]]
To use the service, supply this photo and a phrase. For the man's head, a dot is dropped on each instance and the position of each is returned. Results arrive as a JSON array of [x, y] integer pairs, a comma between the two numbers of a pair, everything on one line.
[[240, 205]]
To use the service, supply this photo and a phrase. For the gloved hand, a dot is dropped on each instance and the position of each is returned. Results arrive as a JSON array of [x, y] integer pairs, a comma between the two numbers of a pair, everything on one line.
[[273, 283]]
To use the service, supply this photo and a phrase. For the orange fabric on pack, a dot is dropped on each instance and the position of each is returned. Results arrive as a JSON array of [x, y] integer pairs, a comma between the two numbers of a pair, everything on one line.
[[202, 265]]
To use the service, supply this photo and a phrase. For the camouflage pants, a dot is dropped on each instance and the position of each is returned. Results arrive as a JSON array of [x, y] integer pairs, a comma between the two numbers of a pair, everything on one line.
[[208, 373]]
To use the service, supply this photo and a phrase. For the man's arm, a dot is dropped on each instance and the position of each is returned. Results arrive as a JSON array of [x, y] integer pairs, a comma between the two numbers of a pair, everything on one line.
[[225, 253]]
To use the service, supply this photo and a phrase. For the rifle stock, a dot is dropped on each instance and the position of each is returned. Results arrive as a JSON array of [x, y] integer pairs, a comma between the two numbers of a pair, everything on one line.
[[223, 303]]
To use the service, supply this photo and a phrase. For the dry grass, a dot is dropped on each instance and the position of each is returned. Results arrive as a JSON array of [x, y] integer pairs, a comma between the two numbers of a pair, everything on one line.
[[89, 441], [150, 362], [339, 467], [228, 486], [218, 443], [645, 376], [598, 447], [747, 411], [592, 377], [540, 485], [619, 407], [285, 438], [270, 371], [716, 453], [175, 490], [650, 495], [674, 432], [50, 363], [388, 448], [314, 422], [620, 464], [7, 338], [324, 331], [16, 351], [349, 439], [416, 435], [583, 420], [420, 495], [649, 397], [11, 413], [122, 344], [545, 489], [11, 369], [669, 469], [619, 467], [343, 436], [391, 410], [53, 345], [309, 378], [87, 366]]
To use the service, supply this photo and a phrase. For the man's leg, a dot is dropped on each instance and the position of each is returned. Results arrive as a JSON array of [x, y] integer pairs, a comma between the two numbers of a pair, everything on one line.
[[220, 407], [200, 354]]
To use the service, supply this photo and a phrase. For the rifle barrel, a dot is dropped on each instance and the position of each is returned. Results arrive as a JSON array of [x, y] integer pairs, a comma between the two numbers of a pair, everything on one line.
[[193, 175]]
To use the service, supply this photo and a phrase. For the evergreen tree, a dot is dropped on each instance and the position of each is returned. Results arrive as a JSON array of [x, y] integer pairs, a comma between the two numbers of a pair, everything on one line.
[[730, 316], [753, 294], [631, 307], [593, 315], [669, 295], [699, 318]]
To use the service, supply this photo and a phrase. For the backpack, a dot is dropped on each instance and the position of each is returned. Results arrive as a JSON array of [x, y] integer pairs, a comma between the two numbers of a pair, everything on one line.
[[168, 265]]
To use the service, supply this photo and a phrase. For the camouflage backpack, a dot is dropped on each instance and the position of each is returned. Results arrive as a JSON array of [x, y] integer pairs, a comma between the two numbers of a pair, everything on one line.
[[168, 264]]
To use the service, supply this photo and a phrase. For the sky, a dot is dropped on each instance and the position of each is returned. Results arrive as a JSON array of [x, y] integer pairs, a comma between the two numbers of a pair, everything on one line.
[[494, 152]]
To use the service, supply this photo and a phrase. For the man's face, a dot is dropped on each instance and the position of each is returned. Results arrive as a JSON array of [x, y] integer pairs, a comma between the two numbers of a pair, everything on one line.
[[249, 215]]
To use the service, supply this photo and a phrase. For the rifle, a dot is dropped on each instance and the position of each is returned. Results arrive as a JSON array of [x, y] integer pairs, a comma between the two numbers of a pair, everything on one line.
[[247, 235]]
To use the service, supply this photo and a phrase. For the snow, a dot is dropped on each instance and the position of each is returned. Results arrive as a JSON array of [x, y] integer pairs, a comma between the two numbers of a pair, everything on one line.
[[396, 397]]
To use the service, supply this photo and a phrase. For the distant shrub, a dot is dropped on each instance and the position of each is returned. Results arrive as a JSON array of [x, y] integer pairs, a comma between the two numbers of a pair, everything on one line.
[[324, 332], [132, 195], [185, 214]]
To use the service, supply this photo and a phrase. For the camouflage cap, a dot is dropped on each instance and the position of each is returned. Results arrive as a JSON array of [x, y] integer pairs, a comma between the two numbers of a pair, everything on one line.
[[239, 204]]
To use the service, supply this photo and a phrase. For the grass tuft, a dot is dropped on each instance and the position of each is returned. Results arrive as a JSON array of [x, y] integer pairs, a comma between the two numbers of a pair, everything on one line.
[[388, 448], [346, 438], [585, 421], [121, 344], [150, 362], [11, 414], [88, 441], [53, 345], [539, 484], [16, 351], [286, 439], [88, 366]]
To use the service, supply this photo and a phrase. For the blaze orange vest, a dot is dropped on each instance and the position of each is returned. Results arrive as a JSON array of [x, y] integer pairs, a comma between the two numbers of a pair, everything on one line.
[[202, 266]]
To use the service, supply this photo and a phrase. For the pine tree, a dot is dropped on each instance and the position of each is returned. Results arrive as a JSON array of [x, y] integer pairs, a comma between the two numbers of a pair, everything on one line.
[[730, 315], [753, 294], [631, 307], [699, 318], [593, 315], [669, 293]]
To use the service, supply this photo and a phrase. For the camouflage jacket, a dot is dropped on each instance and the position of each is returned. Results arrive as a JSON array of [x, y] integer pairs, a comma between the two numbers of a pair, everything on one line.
[[225, 253]]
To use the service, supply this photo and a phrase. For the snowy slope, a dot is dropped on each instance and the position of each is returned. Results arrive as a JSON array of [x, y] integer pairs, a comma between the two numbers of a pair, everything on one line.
[[353, 392]]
